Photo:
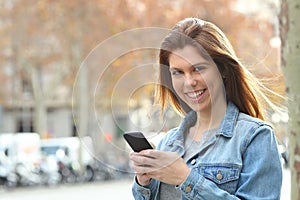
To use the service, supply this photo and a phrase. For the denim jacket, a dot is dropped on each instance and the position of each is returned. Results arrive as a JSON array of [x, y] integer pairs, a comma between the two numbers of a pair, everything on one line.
[[240, 161]]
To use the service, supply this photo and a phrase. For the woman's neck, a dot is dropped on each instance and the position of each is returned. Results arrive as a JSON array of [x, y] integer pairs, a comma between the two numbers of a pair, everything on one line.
[[207, 121]]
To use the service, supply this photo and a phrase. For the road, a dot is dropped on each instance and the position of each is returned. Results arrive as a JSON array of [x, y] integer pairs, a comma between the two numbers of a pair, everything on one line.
[[111, 190]]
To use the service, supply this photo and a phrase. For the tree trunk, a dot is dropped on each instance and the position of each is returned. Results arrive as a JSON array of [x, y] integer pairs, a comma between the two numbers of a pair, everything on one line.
[[289, 33], [40, 109], [82, 101]]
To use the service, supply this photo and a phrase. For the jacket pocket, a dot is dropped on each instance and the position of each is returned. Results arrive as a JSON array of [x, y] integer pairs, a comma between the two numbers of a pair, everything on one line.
[[225, 176]]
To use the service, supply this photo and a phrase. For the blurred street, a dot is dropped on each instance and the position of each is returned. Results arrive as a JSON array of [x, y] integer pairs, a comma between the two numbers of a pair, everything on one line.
[[75, 77], [286, 185], [115, 190]]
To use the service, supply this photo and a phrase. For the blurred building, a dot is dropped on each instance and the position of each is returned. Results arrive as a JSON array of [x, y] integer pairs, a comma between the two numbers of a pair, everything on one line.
[[17, 118]]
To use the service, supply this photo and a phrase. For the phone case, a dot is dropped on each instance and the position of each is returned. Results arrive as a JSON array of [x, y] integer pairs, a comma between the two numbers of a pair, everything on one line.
[[137, 141]]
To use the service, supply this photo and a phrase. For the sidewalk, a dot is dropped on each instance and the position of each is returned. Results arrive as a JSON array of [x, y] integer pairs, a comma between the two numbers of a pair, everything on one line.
[[119, 189], [286, 185]]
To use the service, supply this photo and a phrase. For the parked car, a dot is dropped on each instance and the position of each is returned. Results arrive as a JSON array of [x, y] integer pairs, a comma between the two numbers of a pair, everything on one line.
[[21, 158], [74, 162]]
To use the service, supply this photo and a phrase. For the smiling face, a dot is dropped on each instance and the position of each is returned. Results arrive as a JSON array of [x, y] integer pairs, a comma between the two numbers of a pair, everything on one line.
[[196, 80]]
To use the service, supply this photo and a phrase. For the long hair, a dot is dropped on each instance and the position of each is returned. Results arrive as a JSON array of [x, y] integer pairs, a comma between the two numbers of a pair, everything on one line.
[[241, 87]]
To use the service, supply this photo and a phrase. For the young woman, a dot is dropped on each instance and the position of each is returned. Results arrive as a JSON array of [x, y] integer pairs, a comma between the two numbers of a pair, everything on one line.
[[223, 148]]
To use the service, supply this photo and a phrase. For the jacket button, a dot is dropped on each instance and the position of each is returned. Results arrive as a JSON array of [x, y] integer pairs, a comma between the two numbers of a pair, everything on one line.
[[219, 176], [193, 161], [188, 189], [145, 192]]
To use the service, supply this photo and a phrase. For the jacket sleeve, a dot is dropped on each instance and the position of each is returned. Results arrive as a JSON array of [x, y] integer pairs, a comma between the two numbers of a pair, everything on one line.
[[145, 193], [260, 177], [150, 191]]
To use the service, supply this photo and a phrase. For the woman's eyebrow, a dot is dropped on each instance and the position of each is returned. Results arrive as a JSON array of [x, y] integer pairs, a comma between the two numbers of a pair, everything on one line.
[[200, 63], [191, 65], [173, 68]]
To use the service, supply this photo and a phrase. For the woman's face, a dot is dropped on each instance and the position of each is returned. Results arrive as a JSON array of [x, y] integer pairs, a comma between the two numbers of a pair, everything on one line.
[[197, 81]]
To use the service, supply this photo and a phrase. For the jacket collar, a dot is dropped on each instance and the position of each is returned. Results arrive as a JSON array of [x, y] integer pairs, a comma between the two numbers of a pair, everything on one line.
[[225, 129], [177, 137], [229, 121]]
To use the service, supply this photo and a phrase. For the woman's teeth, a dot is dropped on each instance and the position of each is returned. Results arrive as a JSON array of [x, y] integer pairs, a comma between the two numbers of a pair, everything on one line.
[[195, 95]]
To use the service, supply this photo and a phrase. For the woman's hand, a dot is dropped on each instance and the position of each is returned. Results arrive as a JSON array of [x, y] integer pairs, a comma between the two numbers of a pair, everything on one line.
[[167, 167]]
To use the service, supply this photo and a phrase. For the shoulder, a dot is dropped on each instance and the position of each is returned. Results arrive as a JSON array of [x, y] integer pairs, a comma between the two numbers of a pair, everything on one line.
[[177, 134], [247, 122], [168, 137], [251, 128], [241, 125]]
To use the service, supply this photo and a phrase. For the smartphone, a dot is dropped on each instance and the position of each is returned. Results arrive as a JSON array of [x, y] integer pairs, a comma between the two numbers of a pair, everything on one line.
[[137, 141]]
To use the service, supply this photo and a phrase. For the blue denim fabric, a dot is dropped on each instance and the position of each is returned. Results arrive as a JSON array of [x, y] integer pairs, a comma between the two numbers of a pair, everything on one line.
[[240, 161]]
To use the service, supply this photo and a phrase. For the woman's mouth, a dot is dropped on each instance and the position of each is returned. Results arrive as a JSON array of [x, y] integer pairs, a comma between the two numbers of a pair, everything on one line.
[[195, 95]]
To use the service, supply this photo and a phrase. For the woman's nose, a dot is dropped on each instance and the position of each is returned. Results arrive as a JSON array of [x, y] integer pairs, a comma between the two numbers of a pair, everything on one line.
[[190, 81]]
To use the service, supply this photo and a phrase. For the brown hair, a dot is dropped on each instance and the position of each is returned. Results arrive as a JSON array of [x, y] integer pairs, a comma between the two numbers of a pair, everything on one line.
[[241, 87]]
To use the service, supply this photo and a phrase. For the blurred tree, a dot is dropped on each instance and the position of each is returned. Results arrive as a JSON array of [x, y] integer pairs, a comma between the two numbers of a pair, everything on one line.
[[30, 51], [44, 44], [289, 31]]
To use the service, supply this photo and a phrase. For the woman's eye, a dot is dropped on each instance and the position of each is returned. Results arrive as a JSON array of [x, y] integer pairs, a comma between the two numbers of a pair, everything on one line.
[[176, 72], [198, 68]]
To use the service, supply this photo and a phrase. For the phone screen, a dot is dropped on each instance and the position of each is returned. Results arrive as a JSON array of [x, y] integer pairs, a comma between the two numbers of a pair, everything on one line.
[[137, 141]]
